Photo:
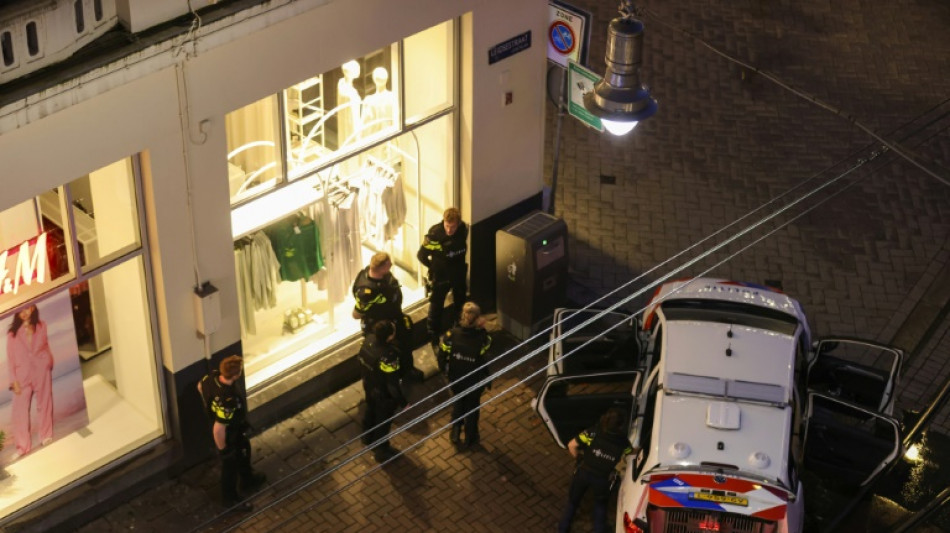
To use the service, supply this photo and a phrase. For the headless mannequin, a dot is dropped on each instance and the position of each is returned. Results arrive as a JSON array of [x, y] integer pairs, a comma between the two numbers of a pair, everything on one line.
[[379, 112], [348, 118], [379, 107]]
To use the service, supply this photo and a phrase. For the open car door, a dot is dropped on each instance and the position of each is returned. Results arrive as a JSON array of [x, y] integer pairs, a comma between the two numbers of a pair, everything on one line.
[[571, 404], [857, 371], [847, 442], [590, 349]]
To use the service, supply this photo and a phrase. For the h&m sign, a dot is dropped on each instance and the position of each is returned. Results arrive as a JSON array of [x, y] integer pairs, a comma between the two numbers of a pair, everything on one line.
[[21, 266]]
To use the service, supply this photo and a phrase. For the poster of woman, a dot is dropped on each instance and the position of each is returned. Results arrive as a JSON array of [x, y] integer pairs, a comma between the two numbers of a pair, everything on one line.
[[41, 390]]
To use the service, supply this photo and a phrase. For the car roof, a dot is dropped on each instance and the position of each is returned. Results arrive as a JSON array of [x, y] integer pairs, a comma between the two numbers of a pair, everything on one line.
[[728, 352]]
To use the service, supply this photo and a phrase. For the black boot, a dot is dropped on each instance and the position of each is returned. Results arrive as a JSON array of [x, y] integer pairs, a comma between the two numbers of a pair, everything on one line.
[[456, 435], [471, 435], [384, 452]]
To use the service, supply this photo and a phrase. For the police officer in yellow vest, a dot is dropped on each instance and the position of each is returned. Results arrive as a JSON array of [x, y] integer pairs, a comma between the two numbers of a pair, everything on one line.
[[225, 405], [598, 450], [443, 253], [378, 297], [379, 368], [462, 354]]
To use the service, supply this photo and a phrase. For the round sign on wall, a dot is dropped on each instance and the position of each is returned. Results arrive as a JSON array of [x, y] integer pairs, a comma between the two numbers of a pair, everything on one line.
[[562, 37]]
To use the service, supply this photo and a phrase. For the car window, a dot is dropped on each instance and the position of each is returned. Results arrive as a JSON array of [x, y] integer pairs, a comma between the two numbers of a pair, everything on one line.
[[570, 404], [730, 313], [654, 349], [608, 343], [646, 427]]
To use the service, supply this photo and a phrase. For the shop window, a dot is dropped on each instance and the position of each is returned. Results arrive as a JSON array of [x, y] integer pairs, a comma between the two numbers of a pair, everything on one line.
[[340, 111], [6, 44], [254, 151], [301, 303], [32, 38], [34, 252], [80, 20], [430, 71], [97, 10], [360, 182], [104, 214], [100, 382]]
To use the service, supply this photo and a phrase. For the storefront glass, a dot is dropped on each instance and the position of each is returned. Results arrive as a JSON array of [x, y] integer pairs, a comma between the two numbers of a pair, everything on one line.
[[104, 214], [78, 372], [254, 150], [299, 248], [35, 256], [430, 70], [340, 111]]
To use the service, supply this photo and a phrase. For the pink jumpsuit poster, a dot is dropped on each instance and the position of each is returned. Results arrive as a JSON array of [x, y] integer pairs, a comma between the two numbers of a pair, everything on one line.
[[41, 390]]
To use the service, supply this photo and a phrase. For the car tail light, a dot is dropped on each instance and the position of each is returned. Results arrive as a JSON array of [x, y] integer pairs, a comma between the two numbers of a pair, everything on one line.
[[632, 526], [708, 523]]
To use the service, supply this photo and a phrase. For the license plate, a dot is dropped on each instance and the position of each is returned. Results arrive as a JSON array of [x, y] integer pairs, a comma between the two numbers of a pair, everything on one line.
[[732, 500]]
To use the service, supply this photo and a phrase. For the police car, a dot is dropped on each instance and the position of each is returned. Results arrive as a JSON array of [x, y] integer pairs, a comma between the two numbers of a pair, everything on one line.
[[730, 400]]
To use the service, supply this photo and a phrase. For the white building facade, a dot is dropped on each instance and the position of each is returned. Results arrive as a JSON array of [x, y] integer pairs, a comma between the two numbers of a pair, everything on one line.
[[262, 152]]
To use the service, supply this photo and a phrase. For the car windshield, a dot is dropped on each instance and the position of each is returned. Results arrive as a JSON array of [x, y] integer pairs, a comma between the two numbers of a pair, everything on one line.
[[724, 312]]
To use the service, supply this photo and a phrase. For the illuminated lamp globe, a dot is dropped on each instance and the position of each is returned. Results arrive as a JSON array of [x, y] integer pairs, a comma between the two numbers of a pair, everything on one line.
[[619, 128]]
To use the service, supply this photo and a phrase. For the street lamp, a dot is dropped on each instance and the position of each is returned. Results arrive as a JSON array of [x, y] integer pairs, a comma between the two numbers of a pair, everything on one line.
[[620, 100]]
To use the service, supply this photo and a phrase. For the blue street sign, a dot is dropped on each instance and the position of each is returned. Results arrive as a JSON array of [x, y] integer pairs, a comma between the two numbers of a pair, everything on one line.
[[510, 47]]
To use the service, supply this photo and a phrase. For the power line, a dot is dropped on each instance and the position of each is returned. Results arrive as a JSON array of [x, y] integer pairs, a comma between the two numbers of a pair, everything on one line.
[[574, 330], [538, 335], [518, 362]]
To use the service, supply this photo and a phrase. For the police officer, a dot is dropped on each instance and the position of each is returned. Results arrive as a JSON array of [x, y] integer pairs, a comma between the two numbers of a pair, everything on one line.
[[379, 367], [461, 352], [443, 253], [225, 405], [379, 297], [603, 446]]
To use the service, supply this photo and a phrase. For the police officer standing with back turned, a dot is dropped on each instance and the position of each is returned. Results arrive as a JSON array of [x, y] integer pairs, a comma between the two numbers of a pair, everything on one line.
[[379, 297], [603, 446], [225, 405], [461, 352], [379, 368], [443, 253]]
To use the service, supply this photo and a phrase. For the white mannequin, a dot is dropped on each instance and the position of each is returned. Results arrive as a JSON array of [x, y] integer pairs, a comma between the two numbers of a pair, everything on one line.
[[348, 118], [379, 108]]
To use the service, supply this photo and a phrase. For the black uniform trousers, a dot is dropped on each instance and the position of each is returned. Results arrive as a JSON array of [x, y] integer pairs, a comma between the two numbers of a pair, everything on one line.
[[463, 403], [235, 464], [379, 410], [599, 485], [440, 289]]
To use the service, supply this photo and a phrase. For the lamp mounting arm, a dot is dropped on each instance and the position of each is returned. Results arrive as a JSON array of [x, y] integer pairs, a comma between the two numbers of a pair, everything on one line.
[[628, 10]]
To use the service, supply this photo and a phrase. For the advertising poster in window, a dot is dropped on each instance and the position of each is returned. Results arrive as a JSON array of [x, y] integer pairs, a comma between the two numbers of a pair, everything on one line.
[[41, 388]]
